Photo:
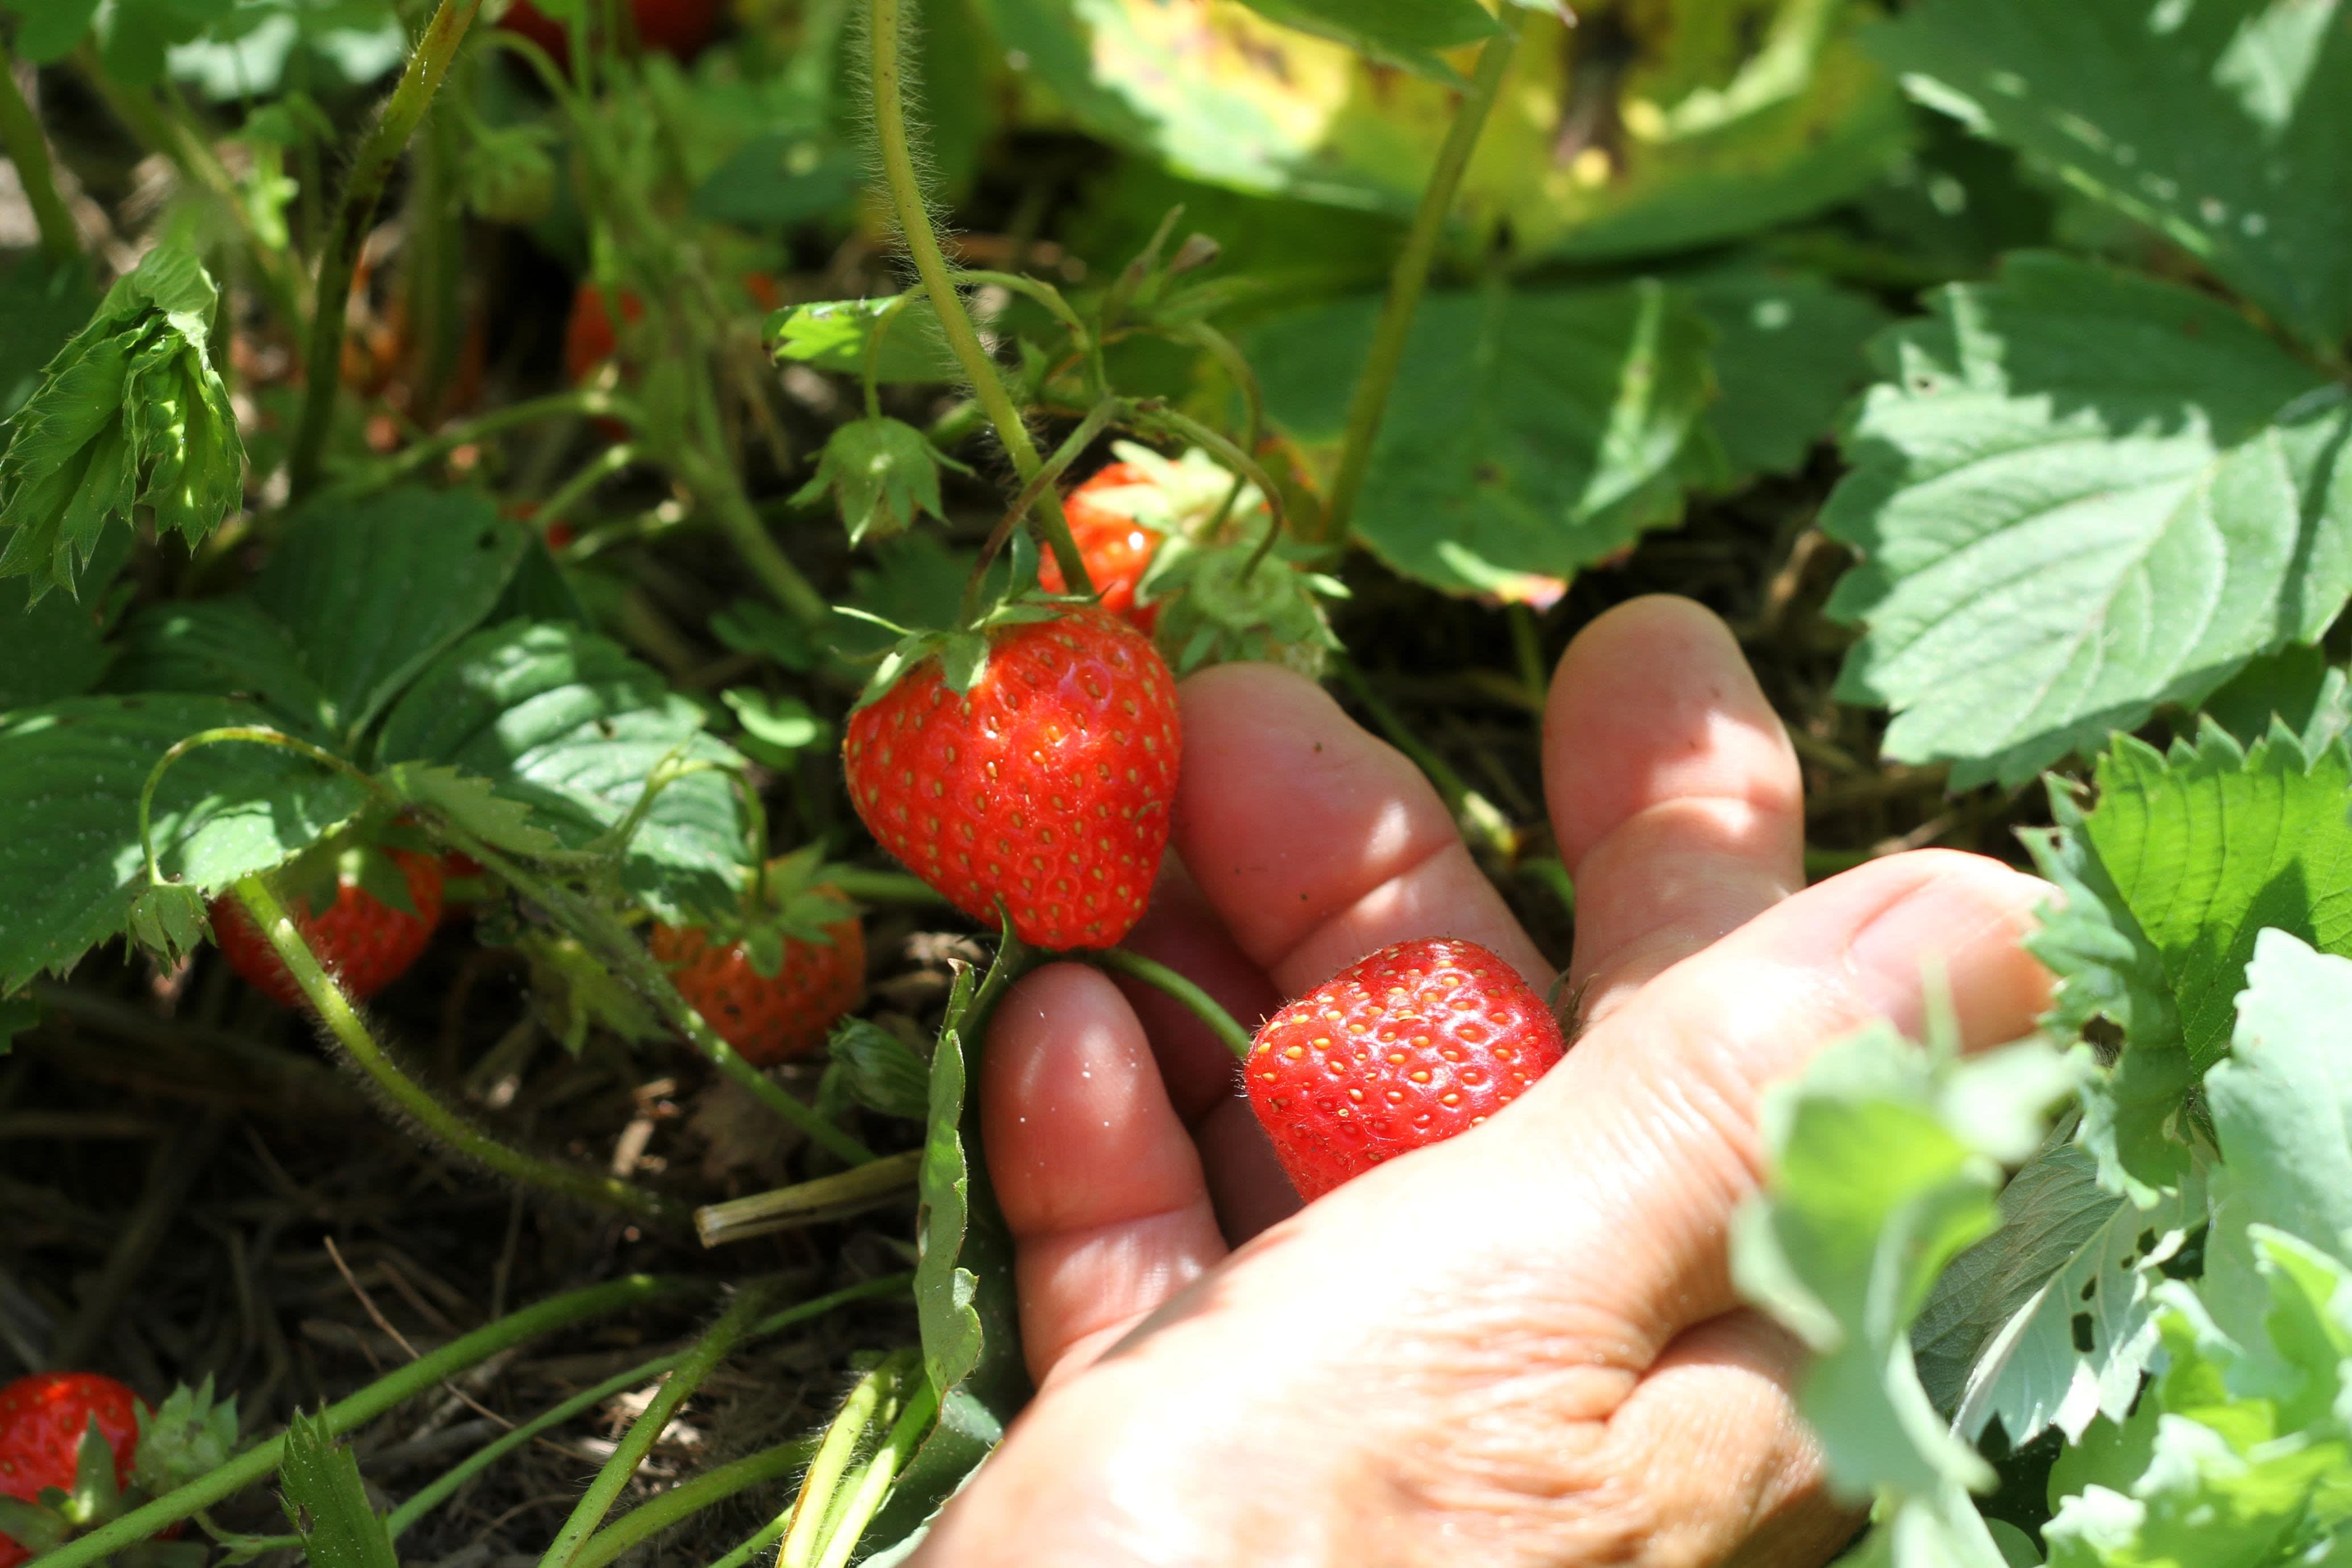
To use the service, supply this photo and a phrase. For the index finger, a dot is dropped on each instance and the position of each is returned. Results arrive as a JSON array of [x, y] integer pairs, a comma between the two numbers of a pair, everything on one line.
[[1316, 844]]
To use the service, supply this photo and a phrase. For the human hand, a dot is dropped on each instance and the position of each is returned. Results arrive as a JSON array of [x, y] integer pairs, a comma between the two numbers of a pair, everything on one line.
[[1523, 1345]]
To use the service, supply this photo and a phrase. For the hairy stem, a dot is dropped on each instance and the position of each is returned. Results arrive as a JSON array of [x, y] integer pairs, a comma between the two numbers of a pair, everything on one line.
[[842, 1440], [21, 138], [871, 1484], [648, 1428], [445, 1486], [260, 1462], [1199, 1003], [372, 167], [345, 1026], [689, 1498], [923, 246], [1031, 491], [1371, 399]]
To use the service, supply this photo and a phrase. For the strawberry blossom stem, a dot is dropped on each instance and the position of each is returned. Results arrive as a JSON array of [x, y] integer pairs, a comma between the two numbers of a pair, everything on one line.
[[870, 1484], [260, 1462], [349, 1031], [1053, 467], [1199, 1003], [372, 167], [887, 43], [1371, 399], [21, 138], [819, 1491], [621, 1467]]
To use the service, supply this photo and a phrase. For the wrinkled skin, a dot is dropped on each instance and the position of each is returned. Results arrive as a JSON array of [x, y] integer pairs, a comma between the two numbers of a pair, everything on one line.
[[1522, 1346]]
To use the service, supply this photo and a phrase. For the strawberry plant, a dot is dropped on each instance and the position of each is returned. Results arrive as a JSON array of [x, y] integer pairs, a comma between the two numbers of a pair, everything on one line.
[[725, 503]]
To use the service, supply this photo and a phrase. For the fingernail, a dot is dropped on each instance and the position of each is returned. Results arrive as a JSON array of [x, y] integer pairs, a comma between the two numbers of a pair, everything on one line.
[[1890, 954]]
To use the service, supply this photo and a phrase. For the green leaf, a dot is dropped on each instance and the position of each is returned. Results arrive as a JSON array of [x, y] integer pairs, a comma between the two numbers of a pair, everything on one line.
[[1885, 1157], [2049, 1321], [1407, 32], [57, 648], [2297, 685], [916, 581], [41, 307], [129, 413], [326, 1502], [754, 625], [372, 592], [2237, 1456], [783, 179], [2220, 125], [1788, 354], [1528, 435], [227, 648], [881, 1070], [472, 805], [2212, 843], [776, 729], [70, 776], [964, 1277], [833, 335], [568, 723], [883, 475], [2078, 494], [1668, 127], [51, 27], [2282, 1109]]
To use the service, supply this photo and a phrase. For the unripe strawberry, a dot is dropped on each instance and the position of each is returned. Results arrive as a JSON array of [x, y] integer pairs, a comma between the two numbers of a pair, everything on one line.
[[1046, 785], [1420, 1041]]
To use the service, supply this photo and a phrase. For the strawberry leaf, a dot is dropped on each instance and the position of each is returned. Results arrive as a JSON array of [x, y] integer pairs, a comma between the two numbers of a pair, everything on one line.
[[2078, 494], [833, 335], [72, 868], [882, 474], [472, 805], [326, 1502]]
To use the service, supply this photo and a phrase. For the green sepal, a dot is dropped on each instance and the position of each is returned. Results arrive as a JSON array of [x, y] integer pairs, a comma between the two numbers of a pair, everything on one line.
[[882, 474], [880, 1070], [1220, 603], [571, 992], [962, 653], [39, 1530], [168, 920], [96, 1494], [190, 1436]]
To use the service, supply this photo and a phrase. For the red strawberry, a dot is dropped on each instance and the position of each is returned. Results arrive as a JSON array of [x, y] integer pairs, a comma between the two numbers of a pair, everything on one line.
[[364, 942], [42, 1419], [1417, 1043], [1117, 549], [773, 1017], [679, 27], [1047, 785]]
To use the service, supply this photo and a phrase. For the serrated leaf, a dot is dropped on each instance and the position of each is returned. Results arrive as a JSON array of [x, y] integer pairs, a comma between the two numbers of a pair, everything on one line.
[[1528, 434], [327, 1502], [2078, 494], [834, 334], [2282, 1109], [2049, 1321], [473, 805], [1885, 1157], [2295, 685], [2220, 125], [168, 921], [566, 721], [372, 592], [1788, 353], [882, 474], [130, 412], [226, 647], [70, 775]]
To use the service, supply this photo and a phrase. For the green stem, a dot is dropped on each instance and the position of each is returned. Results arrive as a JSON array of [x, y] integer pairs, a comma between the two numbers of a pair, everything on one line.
[[869, 364], [635, 967], [372, 167], [255, 734], [1371, 399], [647, 1429], [809, 1202], [445, 1486], [584, 402], [873, 1479], [21, 138], [715, 484], [887, 41], [1038, 483], [582, 485], [1241, 463], [882, 886], [343, 1023], [834, 1454], [259, 1463], [689, 1498], [1197, 1002]]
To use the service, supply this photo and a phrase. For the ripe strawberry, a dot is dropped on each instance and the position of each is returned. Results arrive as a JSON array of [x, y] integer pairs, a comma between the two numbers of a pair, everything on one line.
[[679, 27], [1415, 1044], [1117, 548], [364, 943], [770, 1014], [42, 1420], [1047, 785]]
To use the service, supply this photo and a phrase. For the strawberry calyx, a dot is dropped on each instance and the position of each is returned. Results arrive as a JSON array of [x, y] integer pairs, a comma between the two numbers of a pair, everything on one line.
[[190, 1436], [1233, 599], [962, 653]]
